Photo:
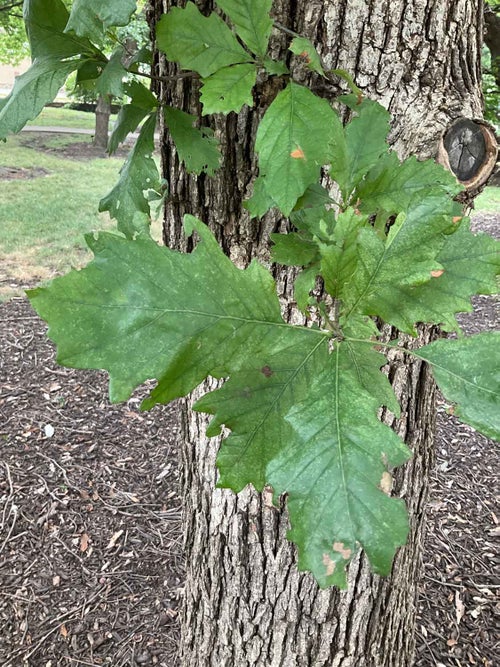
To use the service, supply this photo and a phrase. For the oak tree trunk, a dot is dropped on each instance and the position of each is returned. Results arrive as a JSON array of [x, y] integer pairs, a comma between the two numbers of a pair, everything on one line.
[[245, 603]]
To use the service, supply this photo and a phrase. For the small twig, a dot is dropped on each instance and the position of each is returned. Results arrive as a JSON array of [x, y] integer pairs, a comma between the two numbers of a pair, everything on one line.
[[168, 79], [284, 29]]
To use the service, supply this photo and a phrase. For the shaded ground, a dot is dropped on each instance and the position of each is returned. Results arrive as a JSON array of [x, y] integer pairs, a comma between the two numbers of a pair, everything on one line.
[[90, 564]]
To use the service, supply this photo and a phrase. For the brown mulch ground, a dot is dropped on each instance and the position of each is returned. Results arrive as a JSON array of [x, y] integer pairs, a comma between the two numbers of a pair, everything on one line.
[[90, 560]]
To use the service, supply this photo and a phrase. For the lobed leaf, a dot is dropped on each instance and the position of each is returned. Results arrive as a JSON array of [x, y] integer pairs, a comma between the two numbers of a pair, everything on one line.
[[203, 314], [253, 403], [204, 44], [384, 271], [110, 82], [335, 473], [91, 18], [142, 102], [361, 145], [127, 202], [228, 89], [251, 20], [470, 264], [32, 90], [45, 22], [197, 147], [391, 186], [467, 371]]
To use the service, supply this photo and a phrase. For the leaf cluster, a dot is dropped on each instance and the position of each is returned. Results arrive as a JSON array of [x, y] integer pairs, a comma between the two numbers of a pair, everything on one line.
[[386, 242]]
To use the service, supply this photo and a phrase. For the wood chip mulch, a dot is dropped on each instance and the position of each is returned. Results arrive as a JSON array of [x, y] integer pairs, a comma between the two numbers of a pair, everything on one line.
[[91, 568]]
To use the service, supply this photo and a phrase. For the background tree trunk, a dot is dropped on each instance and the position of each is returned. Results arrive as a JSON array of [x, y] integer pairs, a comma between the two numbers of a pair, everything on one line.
[[102, 114], [245, 603]]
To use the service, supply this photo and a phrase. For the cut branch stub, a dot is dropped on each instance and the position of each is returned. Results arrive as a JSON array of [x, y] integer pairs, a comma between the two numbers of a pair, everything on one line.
[[469, 149]]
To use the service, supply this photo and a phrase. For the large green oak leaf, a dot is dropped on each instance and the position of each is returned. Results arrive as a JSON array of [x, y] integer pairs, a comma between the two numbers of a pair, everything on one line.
[[45, 22], [335, 473], [143, 311], [467, 371]]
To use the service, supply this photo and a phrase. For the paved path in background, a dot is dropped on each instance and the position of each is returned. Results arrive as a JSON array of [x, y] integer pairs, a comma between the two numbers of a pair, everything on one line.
[[74, 130], [63, 130]]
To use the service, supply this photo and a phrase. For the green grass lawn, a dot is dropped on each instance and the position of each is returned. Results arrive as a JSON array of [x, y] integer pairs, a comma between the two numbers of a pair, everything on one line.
[[488, 200], [44, 219], [59, 116]]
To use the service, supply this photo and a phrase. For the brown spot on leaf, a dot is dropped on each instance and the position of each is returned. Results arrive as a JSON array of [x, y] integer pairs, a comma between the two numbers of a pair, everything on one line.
[[329, 564], [298, 154], [306, 57], [266, 370], [386, 483], [437, 273], [456, 219], [344, 551]]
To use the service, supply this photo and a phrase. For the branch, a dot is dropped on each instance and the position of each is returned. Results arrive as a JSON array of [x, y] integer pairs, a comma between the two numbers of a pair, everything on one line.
[[12, 5]]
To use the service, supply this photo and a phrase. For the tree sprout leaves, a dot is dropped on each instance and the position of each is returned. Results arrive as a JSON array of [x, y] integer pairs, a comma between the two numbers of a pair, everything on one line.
[[303, 47], [142, 102], [467, 371], [275, 67], [304, 283], [200, 43], [407, 258], [260, 202], [197, 147], [332, 471], [363, 144], [293, 249], [228, 89], [391, 186], [32, 91], [127, 202], [251, 20], [293, 142], [91, 18]]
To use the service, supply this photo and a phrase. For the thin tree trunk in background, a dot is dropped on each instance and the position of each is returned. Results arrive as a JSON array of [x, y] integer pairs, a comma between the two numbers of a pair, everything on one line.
[[245, 603], [102, 114]]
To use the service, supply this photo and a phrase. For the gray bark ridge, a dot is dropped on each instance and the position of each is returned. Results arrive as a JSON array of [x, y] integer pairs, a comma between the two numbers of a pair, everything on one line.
[[245, 604]]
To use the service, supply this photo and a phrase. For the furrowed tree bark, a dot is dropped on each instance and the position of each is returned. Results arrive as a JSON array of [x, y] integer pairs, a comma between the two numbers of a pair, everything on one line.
[[245, 603]]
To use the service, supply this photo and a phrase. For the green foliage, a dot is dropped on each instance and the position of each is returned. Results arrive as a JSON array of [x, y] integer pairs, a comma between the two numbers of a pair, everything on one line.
[[45, 22], [142, 103], [468, 372], [127, 202], [32, 91], [251, 20], [197, 147], [293, 141], [14, 46], [301, 403], [228, 89], [203, 44], [302, 47], [91, 18]]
